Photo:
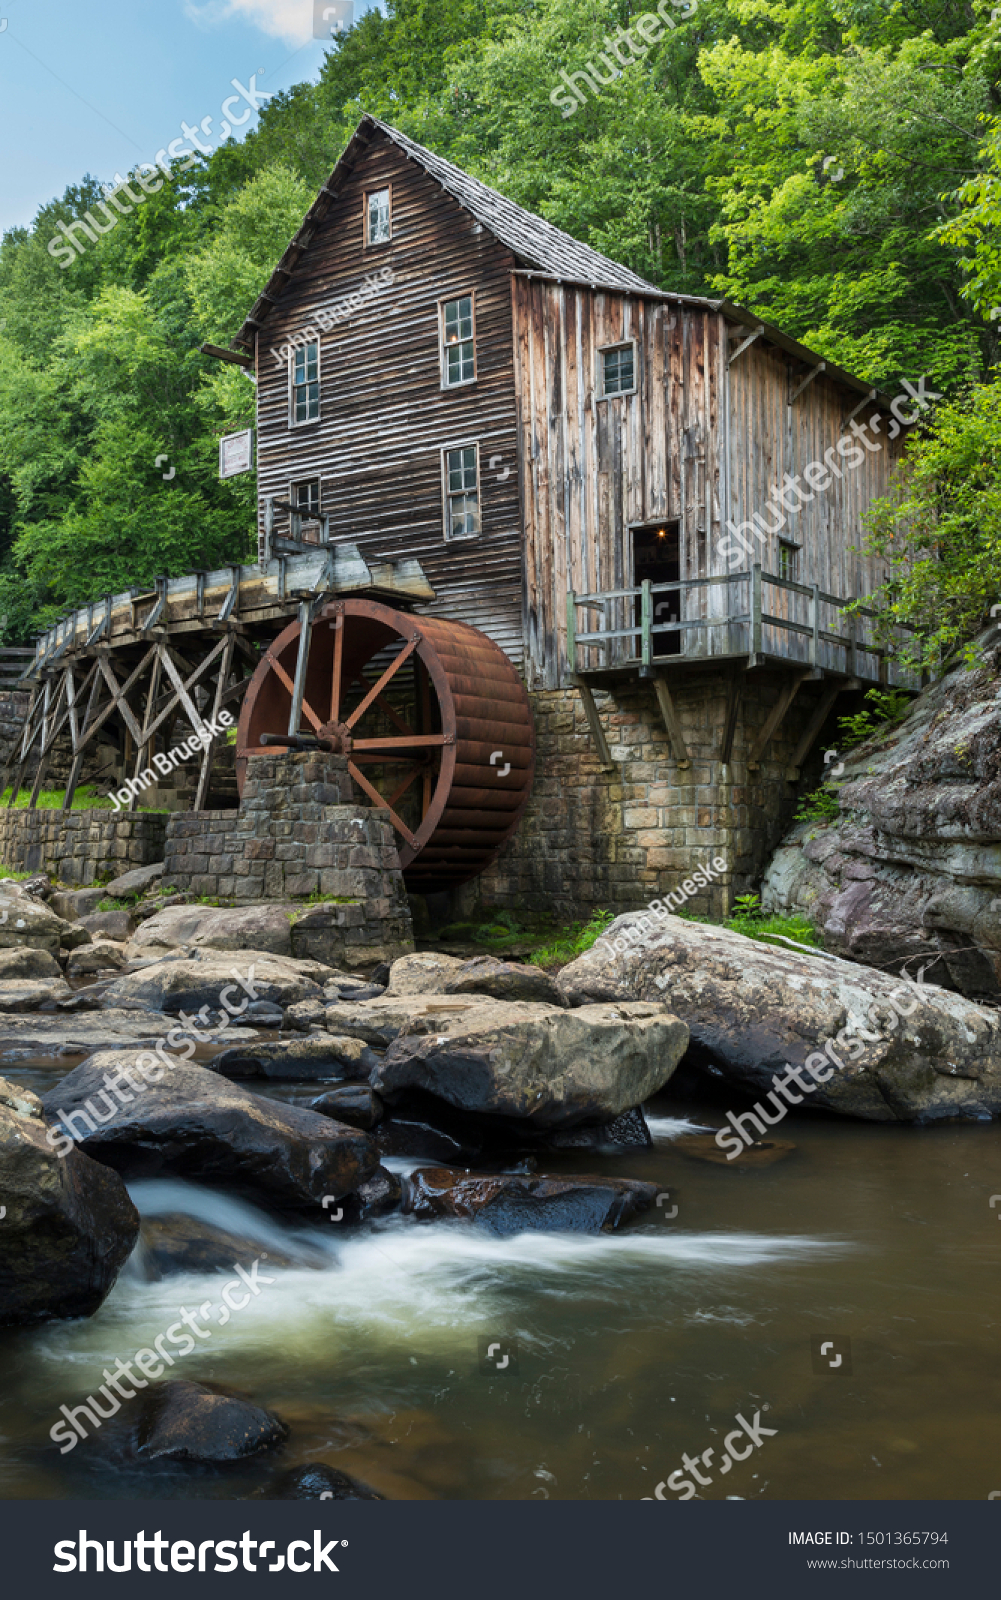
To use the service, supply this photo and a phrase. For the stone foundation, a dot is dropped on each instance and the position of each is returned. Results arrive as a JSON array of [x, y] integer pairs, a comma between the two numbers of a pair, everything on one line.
[[80, 846], [620, 839], [298, 832]]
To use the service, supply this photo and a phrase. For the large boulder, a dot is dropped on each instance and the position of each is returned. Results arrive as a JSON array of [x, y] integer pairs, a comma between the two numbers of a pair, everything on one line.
[[318, 1056], [104, 955], [27, 921], [23, 961], [187, 984], [69, 1225], [193, 1123], [509, 1202], [68, 1033], [134, 882], [380, 1021], [910, 871], [556, 1068], [755, 1008], [424, 973], [262, 928]]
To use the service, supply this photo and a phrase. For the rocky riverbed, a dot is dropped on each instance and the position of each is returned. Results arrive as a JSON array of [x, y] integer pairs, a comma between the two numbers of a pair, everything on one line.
[[213, 1154]]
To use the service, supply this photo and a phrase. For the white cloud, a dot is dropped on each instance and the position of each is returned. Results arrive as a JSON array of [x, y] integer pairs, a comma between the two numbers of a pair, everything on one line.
[[288, 20]]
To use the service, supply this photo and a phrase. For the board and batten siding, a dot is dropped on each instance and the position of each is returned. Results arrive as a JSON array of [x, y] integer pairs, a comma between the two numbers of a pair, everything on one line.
[[384, 417], [593, 468]]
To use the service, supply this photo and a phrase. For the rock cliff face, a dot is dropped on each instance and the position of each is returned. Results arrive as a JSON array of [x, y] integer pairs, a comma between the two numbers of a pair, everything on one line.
[[910, 872]]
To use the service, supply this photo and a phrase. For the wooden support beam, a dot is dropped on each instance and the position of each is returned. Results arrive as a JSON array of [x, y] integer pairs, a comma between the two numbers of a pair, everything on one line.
[[819, 368], [730, 719], [748, 341], [204, 776], [671, 722], [594, 725], [820, 716], [774, 721]]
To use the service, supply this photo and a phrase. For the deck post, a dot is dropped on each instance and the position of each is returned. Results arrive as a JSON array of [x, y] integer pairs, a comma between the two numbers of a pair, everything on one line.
[[646, 622], [572, 632], [755, 613], [815, 625]]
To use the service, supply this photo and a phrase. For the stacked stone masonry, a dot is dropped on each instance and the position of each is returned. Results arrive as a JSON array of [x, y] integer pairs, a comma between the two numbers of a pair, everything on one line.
[[80, 846], [619, 839], [299, 832]]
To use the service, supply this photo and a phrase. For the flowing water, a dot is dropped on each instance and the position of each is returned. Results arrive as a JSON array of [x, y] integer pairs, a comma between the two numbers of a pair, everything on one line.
[[623, 1350]]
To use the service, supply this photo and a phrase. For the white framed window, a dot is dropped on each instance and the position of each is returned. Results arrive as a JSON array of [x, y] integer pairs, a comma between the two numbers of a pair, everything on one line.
[[378, 216], [788, 561], [617, 371], [304, 384], [460, 471], [458, 341], [305, 497]]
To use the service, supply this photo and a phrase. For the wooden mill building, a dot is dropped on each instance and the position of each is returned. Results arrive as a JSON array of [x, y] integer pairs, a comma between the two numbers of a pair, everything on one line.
[[588, 470]]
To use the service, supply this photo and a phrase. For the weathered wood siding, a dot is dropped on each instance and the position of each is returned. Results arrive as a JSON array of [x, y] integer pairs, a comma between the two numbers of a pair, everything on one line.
[[592, 468], [384, 417]]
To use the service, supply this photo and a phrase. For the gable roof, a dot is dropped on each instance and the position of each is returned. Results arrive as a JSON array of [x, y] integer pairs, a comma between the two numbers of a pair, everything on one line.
[[540, 248]]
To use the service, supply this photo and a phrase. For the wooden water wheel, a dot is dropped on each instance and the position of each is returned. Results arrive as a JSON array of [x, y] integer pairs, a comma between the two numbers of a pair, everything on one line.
[[432, 716]]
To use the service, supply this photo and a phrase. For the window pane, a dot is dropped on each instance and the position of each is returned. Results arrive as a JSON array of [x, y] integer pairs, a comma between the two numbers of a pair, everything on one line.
[[617, 376], [460, 366], [464, 515], [378, 216], [300, 366]]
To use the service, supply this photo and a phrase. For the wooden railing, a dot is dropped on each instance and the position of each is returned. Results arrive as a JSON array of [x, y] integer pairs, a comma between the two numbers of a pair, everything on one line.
[[750, 631]]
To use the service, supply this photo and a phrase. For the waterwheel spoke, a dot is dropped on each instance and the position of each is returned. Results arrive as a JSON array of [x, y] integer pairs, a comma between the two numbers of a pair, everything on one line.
[[290, 686], [390, 672], [400, 741], [391, 711], [379, 800], [402, 788], [335, 685]]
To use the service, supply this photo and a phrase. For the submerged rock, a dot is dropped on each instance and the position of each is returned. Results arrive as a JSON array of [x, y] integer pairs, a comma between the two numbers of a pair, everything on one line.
[[755, 1009], [175, 1242], [503, 980], [378, 1196], [703, 1147], [69, 1225], [556, 1068], [508, 1203], [196, 1124], [317, 1481], [358, 1106], [184, 1421]]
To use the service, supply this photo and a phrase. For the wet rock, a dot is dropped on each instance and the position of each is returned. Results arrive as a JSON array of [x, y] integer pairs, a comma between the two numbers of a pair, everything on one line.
[[628, 1132], [353, 991], [54, 1034], [556, 1069], [318, 1056], [380, 974], [207, 978], [196, 1124], [69, 1225], [137, 881], [503, 980], [378, 1196], [104, 955], [423, 973], [27, 994], [109, 925], [755, 1009], [358, 1106], [317, 1481], [184, 1421], [22, 961], [176, 1243], [509, 1203], [31, 922], [263, 1014], [381, 1021], [703, 1147]]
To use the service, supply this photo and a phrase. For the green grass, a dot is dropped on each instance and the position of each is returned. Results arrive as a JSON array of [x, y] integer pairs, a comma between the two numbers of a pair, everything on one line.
[[572, 941], [754, 923], [14, 872], [86, 798]]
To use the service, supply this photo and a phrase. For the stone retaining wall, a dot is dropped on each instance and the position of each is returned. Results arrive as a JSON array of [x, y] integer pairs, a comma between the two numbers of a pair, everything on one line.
[[298, 833], [80, 846]]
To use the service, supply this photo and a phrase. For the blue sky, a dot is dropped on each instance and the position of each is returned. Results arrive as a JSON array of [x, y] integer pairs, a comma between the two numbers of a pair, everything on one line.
[[99, 85]]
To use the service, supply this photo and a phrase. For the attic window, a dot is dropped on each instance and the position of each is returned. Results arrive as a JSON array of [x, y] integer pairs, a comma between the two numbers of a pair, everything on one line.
[[458, 342], [618, 369], [306, 383], [377, 227]]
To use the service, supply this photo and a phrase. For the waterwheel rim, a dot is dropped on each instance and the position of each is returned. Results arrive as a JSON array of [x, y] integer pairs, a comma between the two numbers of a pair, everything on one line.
[[469, 803]]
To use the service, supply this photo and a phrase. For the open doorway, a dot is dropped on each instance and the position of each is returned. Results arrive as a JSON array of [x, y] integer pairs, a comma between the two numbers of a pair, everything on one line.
[[656, 556]]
